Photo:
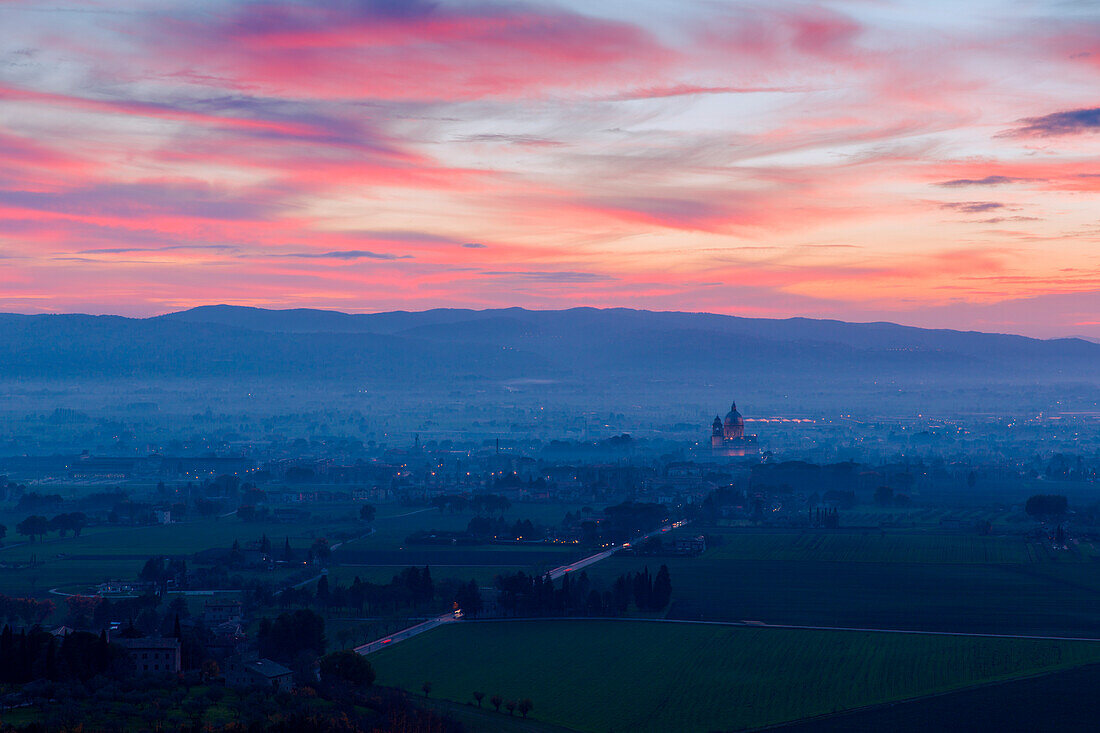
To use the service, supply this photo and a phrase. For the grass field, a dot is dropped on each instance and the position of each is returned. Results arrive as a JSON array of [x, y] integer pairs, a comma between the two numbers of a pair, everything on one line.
[[385, 552], [481, 574], [1033, 598], [108, 553], [395, 523], [872, 546], [650, 676], [118, 552], [1063, 701], [903, 580]]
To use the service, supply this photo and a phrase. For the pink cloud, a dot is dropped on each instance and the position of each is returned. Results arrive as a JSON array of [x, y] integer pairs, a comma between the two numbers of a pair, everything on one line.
[[155, 111], [1050, 175], [344, 51], [802, 149]]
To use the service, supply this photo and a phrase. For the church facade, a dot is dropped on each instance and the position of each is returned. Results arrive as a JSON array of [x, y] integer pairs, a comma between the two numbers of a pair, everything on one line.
[[727, 437]]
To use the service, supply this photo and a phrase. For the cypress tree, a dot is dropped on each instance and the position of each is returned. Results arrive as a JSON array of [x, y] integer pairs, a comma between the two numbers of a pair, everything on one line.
[[426, 585], [662, 589]]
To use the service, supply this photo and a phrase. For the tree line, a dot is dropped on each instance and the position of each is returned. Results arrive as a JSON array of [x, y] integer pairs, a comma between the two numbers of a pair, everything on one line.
[[28, 610], [36, 526], [493, 527], [538, 595], [36, 654], [524, 706], [410, 588]]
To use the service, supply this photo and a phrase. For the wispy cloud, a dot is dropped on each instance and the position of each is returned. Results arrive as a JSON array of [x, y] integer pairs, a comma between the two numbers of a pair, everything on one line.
[[170, 248], [972, 207], [1070, 122], [347, 254], [992, 180], [553, 277]]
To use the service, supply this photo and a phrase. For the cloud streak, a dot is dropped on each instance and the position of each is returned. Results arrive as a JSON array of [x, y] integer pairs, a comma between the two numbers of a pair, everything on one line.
[[346, 254], [1071, 122]]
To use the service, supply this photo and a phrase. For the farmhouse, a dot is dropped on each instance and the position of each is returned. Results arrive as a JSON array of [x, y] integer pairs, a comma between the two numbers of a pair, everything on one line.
[[152, 656], [242, 672], [220, 612]]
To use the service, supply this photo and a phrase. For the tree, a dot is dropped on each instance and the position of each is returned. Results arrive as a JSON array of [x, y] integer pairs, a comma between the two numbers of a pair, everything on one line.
[[69, 522], [525, 706], [662, 589], [81, 610], [77, 522], [479, 696], [367, 512], [323, 595], [156, 573], [3, 533], [321, 549], [497, 701], [426, 591], [468, 598], [346, 667], [210, 670], [1046, 506], [884, 496], [427, 688], [290, 634], [511, 705], [33, 526]]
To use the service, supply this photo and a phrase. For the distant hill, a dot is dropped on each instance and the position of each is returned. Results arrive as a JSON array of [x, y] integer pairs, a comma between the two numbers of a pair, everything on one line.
[[584, 345]]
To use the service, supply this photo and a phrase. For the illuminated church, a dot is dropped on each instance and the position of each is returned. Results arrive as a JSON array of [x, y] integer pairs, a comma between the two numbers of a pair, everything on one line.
[[727, 437]]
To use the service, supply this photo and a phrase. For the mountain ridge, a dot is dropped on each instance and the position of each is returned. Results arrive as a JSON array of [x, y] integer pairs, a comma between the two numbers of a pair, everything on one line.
[[220, 313], [589, 345]]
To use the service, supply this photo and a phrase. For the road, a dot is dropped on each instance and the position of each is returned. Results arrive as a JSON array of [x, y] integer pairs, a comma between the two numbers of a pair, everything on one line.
[[446, 618]]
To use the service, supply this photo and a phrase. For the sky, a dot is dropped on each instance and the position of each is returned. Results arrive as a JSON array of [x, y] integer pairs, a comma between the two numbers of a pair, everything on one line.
[[927, 163]]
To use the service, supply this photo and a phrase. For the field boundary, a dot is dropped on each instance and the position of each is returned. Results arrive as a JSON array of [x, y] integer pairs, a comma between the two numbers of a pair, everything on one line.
[[797, 627]]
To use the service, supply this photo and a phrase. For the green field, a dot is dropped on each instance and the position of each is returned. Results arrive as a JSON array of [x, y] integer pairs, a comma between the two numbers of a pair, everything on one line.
[[381, 555], [110, 553], [118, 552], [1064, 701], [481, 574], [918, 581], [395, 523], [652, 676], [872, 546]]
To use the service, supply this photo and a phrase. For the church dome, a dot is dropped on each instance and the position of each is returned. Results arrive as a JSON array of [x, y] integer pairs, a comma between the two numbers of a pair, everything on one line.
[[734, 426]]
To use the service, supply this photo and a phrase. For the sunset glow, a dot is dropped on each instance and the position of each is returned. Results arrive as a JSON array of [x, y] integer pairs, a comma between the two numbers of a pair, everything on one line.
[[927, 163]]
